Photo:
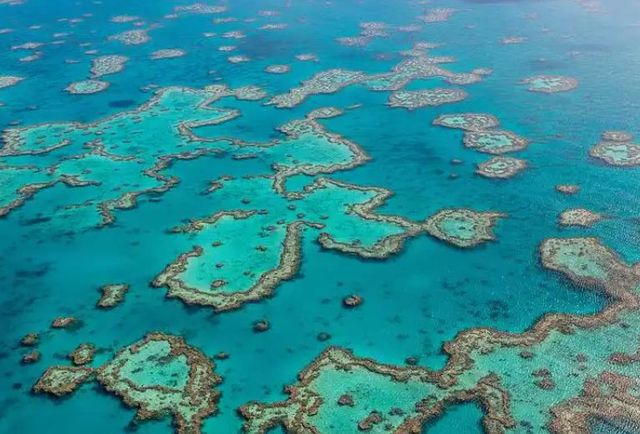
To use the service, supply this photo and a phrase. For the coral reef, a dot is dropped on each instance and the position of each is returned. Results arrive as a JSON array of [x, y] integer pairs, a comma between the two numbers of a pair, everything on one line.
[[62, 380], [277, 69], [555, 377], [87, 87], [567, 188], [9, 80], [468, 121], [89, 154], [325, 82], [159, 375], [481, 135], [112, 295], [167, 53], [31, 357], [64, 322], [420, 98], [494, 141], [105, 65], [579, 217], [463, 227], [615, 148], [83, 355], [501, 167], [30, 339], [132, 37], [550, 83], [419, 66]]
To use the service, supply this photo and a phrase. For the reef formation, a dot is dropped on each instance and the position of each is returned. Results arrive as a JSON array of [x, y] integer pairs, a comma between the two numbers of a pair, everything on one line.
[[550, 83], [87, 87], [558, 376], [112, 295], [501, 167], [259, 208], [420, 98], [106, 65], [159, 375], [579, 217], [480, 133], [276, 232], [86, 155], [420, 66], [615, 148]]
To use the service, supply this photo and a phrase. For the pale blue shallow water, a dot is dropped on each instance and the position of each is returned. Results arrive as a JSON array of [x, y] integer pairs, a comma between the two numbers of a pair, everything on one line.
[[414, 301]]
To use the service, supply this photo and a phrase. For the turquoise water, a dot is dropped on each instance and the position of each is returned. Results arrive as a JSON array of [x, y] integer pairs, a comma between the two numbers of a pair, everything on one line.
[[415, 300], [465, 418]]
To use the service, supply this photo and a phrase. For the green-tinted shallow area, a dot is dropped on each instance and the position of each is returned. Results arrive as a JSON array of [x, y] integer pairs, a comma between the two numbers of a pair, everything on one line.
[[458, 228], [525, 382], [147, 368], [369, 393]]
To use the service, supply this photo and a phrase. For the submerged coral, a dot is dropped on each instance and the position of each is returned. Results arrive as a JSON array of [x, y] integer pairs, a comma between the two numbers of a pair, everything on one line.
[[615, 148], [501, 167], [159, 375], [550, 83], [578, 360]]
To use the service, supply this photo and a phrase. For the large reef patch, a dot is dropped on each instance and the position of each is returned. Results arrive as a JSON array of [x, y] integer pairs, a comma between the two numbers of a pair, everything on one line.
[[259, 209], [86, 156], [242, 255], [159, 375], [556, 377], [616, 149], [419, 66], [482, 135]]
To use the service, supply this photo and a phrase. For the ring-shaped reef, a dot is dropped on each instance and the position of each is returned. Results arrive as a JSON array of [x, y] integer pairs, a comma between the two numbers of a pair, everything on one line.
[[266, 229], [87, 87], [480, 133], [254, 240], [159, 375], [463, 227], [501, 167], [550, 83], [615, 149]]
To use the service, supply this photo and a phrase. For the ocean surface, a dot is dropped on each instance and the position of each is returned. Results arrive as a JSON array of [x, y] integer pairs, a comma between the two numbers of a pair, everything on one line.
[[54, 260]]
